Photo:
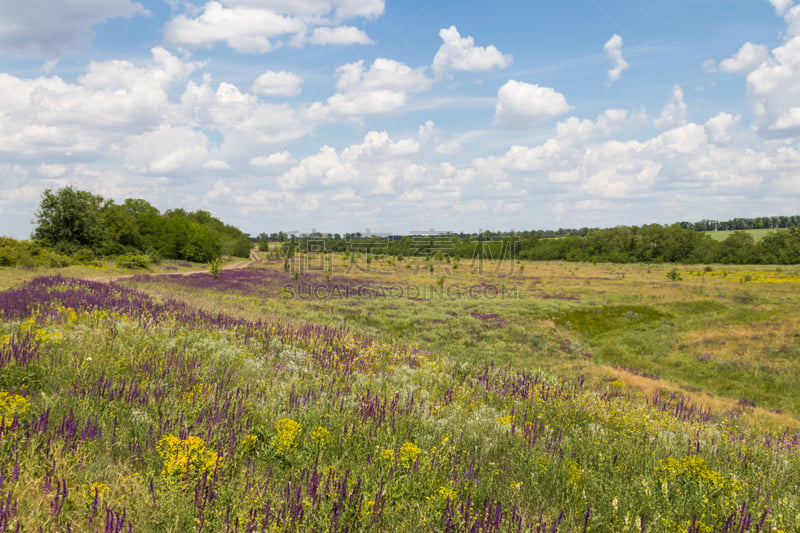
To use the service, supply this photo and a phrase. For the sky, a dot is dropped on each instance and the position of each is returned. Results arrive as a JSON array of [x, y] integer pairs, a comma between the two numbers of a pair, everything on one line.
[[384, 116]]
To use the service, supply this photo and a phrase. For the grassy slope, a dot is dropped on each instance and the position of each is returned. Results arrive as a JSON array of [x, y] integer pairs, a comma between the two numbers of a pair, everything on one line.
[[711, 332], [430, 437]]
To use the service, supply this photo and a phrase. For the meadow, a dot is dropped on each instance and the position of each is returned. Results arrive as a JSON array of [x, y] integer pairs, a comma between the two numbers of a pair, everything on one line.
[[354, 393], [757, 234]]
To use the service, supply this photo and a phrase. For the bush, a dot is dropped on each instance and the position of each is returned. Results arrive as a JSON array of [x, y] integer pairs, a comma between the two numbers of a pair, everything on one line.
[[29, 254], [134, 262]]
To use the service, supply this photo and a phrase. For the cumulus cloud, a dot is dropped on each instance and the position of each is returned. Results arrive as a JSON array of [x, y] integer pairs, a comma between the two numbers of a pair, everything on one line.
[[257, 26], [246, 123], [674, 112], [748, 58], [522, 104], [338, 9], [381, 89], [276, 159], [719, 127], [613, 49], [280, 83], [583, 161], [166, 150], [339, 35], [48, 28], [781, 5], [111, 100], [216, 164], [460, 54], [245, 29], [369, 168], [773, 78]]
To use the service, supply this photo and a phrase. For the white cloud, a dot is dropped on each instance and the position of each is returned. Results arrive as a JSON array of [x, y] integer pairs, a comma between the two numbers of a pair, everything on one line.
[[792, 18], [773, 77], [341, 35], [165, 150], [245, 29], [369, 168], [260, 26], [48, 28], [748, 58], [789, 120], [219, 189], [276, 159], [111, 100], [674, 112], [460, 54], [774, 89], [449, 148], [247, 124], [613, 49], [381, 89], [340, 9], [280, 83], [522, 104], [781, 5], [216, 164], [719, 127]]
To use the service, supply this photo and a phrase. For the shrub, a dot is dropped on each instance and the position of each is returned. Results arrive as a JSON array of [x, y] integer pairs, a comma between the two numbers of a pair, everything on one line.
[[134, 262], [215, 266]]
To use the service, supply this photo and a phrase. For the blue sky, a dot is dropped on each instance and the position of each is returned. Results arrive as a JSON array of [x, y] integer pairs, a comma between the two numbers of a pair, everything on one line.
[[348, 115]]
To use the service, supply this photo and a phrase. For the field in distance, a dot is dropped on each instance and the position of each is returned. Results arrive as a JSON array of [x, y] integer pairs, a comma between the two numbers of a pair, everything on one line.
[[333, 392]]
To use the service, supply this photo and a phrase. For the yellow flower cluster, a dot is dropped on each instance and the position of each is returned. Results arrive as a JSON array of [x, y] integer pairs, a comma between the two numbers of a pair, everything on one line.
[[90, 489], [742, 276], [195, 393], [248, 442], [287, 433], [187, 456], [691, 468], [408, 453], [506, 421], [320, 436], [12, 405]]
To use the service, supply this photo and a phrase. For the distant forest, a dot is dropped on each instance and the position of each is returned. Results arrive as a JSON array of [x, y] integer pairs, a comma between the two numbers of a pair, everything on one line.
[[83, 225], [683, 242], [75, 225]]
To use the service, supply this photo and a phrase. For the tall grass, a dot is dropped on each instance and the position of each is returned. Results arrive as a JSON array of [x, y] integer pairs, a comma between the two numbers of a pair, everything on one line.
[[124, 411]]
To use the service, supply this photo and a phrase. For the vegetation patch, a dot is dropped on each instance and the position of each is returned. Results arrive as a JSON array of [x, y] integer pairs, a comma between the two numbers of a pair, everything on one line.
[[598, 320]]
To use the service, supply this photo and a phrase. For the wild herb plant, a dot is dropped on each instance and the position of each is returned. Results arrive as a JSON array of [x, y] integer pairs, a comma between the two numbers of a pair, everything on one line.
[[122, 411]]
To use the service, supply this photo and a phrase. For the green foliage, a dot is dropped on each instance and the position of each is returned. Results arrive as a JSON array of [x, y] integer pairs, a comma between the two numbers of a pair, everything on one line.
[[183, 238], [215, 267], [134, 262], [674, 275], [29, 254], [161, 422], [69, 219], [651, 243], [604, 319]]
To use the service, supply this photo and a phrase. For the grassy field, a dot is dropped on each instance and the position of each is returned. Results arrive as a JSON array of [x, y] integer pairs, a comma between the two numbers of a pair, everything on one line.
[[757, 234], [413, 395]]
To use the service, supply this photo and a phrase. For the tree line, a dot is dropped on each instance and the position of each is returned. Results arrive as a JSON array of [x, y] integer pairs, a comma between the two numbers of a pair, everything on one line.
[[77, 222], [652, 243]]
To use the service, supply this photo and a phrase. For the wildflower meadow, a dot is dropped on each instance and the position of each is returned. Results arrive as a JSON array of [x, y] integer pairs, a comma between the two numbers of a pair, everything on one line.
[[552, 399]]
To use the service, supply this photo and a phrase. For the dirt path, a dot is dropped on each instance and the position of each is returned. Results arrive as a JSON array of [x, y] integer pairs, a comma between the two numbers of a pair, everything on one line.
[[238, 265]]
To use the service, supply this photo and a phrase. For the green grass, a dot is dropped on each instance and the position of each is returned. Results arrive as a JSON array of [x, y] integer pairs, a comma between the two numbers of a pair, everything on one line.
[[431, 414], [757, 234]]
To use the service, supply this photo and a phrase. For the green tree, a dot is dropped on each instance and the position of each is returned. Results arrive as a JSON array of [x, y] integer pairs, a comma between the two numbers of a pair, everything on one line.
[[121, 232], [184, 238], [69, 219]]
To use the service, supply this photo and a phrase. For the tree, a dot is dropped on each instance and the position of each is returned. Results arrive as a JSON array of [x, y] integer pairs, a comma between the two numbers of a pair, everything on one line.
[[69, 219]]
